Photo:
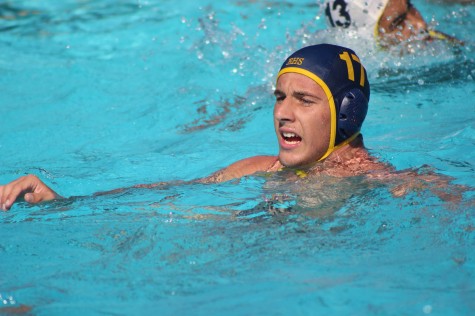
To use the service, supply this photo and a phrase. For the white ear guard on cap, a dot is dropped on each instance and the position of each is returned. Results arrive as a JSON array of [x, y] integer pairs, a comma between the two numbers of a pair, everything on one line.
[[355, 13]]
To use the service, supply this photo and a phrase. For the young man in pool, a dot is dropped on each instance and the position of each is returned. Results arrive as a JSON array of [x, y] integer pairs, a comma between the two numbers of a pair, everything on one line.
[[390, 21], [322, 96]]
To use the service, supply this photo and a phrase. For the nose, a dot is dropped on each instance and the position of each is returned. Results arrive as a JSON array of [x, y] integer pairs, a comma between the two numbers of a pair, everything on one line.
[[283, 111]]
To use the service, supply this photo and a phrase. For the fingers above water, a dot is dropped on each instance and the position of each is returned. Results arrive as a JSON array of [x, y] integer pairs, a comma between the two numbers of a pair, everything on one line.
[[29, 187]]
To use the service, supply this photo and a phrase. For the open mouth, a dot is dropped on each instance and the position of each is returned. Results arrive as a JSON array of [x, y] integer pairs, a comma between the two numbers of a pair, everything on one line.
[[291, 138]]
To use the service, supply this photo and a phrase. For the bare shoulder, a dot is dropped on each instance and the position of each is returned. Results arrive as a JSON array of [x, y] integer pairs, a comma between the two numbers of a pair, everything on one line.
[[243, 168], [354, 160]]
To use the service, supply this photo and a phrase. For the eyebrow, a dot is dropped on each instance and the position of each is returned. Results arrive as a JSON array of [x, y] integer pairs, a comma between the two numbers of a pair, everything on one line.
[[296, 94], [301, 94]]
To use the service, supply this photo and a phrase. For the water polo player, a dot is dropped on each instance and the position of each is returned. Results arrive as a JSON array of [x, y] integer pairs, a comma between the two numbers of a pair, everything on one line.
[[389, 21], [322, 95]]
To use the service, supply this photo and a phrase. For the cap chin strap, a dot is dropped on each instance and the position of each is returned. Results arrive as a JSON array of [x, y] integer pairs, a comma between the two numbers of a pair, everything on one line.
[[343, 143], [302, 174]]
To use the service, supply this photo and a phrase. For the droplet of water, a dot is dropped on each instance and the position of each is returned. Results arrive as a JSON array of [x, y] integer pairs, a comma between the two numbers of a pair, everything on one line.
[[427, 309]]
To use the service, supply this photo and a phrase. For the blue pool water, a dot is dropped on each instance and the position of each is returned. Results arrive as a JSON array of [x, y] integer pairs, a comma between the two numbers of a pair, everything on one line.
[[98, 95]]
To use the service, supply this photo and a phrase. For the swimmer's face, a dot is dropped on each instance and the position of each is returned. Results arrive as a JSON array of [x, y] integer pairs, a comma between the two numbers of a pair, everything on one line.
[[400, 21], [301, 120]]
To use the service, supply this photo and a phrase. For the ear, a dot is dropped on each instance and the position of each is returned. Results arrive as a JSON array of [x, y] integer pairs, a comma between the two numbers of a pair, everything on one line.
[[353, 109]]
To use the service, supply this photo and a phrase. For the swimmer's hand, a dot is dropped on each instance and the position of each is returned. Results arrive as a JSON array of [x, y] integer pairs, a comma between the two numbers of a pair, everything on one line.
[[440, 185], [29, 187]]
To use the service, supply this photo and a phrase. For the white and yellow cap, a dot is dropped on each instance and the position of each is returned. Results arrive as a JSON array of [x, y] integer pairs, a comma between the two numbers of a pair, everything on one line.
[[355, 13]]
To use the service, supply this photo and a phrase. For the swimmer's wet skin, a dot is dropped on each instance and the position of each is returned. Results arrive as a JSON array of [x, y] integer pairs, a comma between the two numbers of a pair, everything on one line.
[[390, 21]]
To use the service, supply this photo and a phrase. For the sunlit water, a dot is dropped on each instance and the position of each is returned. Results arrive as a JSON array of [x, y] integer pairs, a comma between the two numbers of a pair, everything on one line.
[[98, 95]]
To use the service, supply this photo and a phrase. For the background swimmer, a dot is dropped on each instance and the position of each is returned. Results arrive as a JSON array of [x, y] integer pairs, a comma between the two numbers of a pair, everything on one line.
[[389, 21]]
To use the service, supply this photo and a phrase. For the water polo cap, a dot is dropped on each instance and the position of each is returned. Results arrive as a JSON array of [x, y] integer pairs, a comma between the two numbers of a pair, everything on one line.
[[355, 13], [343, 78]]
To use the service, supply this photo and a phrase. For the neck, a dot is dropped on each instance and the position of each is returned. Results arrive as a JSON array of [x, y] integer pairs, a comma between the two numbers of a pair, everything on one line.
[[333, 148], [346, 150], [341, 153]]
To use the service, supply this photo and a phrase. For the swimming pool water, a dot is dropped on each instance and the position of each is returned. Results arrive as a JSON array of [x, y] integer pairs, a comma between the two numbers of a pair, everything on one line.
[[98, 95]]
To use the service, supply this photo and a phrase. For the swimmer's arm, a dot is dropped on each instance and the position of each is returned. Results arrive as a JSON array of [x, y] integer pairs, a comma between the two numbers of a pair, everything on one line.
[[33, 190], [241, 169], [29, 188], [410, 180], [236, 170], [438, 184]]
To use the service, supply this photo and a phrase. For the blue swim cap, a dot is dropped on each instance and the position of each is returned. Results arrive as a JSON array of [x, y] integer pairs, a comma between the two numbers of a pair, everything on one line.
[[342, 76]]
